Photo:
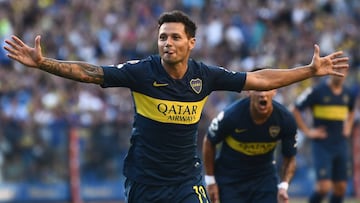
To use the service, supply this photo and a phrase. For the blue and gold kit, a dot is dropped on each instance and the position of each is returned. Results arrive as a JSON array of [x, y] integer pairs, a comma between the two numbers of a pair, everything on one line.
[[167, 112], [329, 110], [247, 149]]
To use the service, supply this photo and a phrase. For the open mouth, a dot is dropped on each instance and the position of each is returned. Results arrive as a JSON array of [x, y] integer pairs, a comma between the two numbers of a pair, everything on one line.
[[263, 103], [168, 52]]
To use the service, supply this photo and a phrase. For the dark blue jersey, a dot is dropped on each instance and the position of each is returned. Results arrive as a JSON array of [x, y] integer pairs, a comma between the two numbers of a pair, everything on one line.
[[328, 110], [167, 112], [247, 149]]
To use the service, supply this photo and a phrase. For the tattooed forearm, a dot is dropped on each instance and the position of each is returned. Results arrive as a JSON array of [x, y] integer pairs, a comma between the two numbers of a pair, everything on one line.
[[75, 70]]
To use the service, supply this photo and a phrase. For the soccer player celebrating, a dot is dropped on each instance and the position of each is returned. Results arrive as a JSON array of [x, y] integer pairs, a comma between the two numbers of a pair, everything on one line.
[[245, 135], [169, 92]]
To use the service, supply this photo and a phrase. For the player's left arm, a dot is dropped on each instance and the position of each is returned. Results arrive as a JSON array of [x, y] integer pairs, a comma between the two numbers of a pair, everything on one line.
[[350, 119], [348, 124], [287, 172], [267, 79]]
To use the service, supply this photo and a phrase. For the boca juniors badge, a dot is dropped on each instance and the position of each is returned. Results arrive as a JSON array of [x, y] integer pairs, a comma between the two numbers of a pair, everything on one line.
[[196, 85], [274, 131]]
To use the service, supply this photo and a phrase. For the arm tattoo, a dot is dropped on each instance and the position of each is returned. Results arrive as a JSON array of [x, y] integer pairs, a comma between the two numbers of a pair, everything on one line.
[[74, 70]]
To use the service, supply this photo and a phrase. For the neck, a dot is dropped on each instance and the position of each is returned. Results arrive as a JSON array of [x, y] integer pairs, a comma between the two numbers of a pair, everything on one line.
[[336, 88], [260, 118], [176, 70]]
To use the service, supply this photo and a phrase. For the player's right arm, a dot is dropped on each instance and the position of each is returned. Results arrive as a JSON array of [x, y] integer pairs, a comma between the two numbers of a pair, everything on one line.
[[287, 172], [32, 57], [318, 132], [209, 151], [303, 104]]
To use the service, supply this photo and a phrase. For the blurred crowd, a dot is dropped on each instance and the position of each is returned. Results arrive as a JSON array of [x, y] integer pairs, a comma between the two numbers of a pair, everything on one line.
[[38, 110]]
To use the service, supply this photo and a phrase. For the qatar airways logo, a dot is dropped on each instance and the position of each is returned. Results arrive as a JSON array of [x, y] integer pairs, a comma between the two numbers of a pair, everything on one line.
[[185, 113], [167, 111]]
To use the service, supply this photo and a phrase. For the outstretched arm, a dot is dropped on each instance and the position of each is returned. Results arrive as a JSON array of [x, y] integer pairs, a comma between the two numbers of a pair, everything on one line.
[[32, 57], [267, 79]]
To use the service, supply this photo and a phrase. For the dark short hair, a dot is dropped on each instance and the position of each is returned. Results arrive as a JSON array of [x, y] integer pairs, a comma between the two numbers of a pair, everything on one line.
[[177, 16]]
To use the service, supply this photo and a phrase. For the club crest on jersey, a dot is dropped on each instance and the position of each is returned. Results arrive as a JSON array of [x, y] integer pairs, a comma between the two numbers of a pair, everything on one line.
[[196, 85], [274, 131], [326, 99]]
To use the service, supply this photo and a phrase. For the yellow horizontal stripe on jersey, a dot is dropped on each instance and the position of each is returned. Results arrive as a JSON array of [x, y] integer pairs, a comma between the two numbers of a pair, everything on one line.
[[250, 148], [166, 111], [331, 112]]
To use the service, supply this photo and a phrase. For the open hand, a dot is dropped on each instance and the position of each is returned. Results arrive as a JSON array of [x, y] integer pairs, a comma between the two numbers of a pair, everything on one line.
[[21, 52], [330, 64]]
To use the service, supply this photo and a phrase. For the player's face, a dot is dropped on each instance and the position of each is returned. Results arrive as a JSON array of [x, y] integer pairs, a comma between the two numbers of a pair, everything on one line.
[[173, 43], [261, 101]]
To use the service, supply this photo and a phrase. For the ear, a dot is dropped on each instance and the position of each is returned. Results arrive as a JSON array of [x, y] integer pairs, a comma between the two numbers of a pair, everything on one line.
[[192, 43]]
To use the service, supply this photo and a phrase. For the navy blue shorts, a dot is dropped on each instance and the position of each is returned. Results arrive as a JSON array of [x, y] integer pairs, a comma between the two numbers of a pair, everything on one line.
[[330, 164], [256, 190], [192, 191]]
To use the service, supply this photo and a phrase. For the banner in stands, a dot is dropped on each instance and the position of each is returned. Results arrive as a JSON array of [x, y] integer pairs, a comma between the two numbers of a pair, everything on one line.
[[108, 191]]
